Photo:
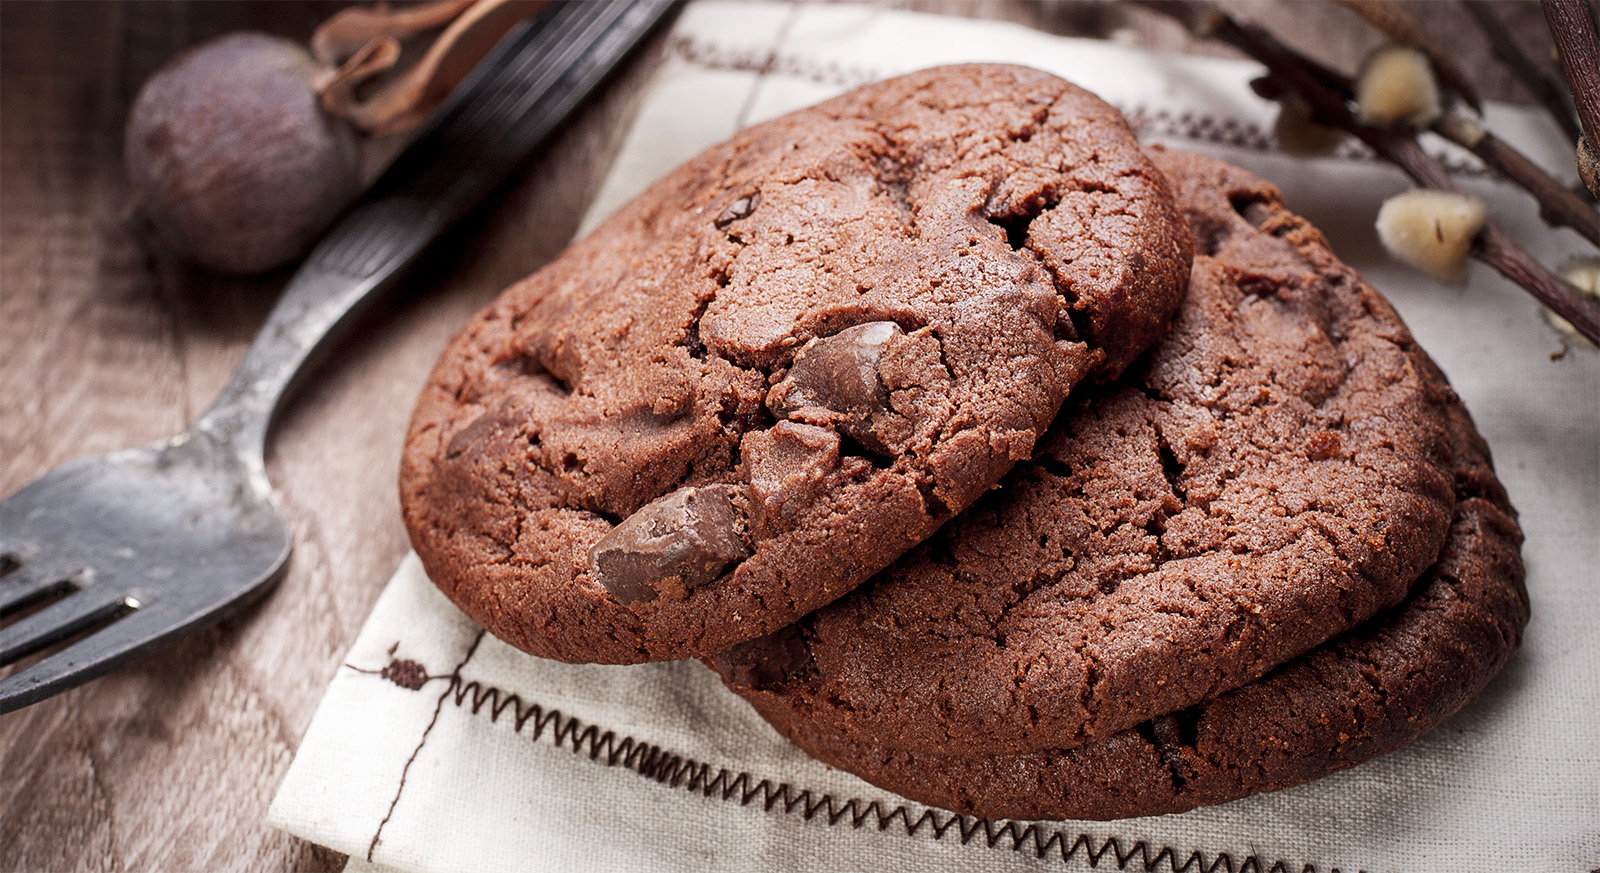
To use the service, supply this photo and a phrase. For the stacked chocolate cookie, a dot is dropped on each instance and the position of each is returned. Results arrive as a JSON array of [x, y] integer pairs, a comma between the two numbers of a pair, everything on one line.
[[803, 410]]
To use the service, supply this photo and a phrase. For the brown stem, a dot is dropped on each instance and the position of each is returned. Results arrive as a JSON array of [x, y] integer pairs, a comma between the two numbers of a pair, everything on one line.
[[1557, 205], [1579, 49], [1539, 83], [1495, 247]]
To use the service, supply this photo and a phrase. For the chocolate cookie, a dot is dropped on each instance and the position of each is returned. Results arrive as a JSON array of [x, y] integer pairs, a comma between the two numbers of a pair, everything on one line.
[[786, 363], [1278, 471], [1353, 699]]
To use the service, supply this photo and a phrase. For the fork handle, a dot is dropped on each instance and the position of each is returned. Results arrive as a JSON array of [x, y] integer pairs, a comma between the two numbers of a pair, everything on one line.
[[515, 98]]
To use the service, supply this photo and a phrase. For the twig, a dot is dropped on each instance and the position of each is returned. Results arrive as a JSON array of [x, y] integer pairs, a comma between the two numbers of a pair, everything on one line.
[[1498, 249], [1579, 49], [1557, 204], [1495, 247], [1538, 81]]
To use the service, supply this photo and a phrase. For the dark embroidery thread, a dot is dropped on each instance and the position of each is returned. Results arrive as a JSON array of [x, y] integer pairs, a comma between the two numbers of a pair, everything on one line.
[[404, 673], [455, 679], [676, 771]]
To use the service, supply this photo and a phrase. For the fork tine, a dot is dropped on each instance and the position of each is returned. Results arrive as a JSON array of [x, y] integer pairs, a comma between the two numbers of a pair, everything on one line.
[[27, 584], [60, 620], [91, 657]]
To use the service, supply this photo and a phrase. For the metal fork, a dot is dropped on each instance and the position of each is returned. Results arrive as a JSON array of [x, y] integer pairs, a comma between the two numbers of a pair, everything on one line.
[[155, 542]]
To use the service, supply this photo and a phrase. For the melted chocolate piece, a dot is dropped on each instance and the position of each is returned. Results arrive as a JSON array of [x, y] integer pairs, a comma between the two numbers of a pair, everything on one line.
[[480, 428], [840, 373], [771, 661], [671, 546], [740, 208]]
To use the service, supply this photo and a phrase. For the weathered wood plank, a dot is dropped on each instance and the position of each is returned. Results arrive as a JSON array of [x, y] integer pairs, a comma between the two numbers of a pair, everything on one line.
[[105, 342]]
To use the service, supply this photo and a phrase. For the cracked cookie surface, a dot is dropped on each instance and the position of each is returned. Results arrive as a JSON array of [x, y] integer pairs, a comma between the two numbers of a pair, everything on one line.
[[1359, 696], [1277, 471], [786, 363]]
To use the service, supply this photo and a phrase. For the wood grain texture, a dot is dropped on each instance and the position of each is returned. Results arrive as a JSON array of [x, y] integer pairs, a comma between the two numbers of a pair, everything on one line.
[[106, 341]]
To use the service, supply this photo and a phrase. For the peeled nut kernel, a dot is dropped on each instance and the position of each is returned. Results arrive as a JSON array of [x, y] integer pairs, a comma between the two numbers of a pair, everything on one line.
[[1432, 230], [671, 546], [1396, 87]]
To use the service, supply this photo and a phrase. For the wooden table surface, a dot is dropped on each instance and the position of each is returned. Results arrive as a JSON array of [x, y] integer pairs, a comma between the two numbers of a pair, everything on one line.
[[107, 341]]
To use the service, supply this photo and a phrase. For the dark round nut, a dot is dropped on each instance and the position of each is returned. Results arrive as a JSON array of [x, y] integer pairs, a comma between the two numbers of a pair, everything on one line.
[[234, 161]]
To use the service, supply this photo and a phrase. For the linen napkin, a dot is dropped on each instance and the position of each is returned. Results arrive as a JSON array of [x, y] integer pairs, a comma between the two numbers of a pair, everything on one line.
[[439, 748]]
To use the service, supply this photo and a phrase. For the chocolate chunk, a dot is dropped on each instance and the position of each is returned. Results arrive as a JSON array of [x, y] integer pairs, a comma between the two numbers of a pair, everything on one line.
[[772, 661], [672, 545], [463, 439], [839, 373], [740, 208]]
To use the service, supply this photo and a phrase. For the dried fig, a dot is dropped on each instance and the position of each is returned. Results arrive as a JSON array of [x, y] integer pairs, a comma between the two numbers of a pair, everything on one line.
[[234, 161]]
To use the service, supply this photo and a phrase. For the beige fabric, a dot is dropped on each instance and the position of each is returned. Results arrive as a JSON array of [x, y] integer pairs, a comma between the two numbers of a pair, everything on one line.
[[438, 748]]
